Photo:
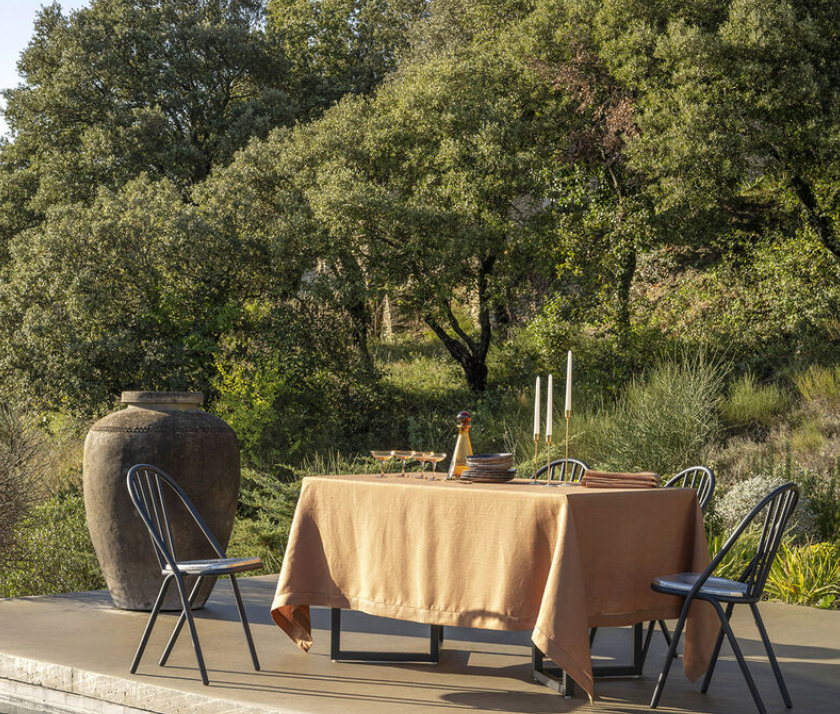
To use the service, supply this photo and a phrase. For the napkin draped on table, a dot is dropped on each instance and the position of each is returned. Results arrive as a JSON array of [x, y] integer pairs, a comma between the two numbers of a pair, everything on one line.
[[605, 479]]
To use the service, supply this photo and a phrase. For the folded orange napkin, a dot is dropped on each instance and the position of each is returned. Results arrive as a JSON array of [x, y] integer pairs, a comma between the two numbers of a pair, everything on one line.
[[606, 479]]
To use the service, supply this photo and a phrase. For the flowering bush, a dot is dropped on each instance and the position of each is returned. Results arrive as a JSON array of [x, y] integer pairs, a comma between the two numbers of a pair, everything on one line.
[[739, 500]]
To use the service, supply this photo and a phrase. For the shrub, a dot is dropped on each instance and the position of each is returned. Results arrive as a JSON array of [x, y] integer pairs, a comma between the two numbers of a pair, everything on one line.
[[54, 551], [22, 460], [750, 404], [262, 537], [739, 556], [808, 437], [823, 493], [820, 385], [806, 575], [266, 508], [662, 424], [739, 500]]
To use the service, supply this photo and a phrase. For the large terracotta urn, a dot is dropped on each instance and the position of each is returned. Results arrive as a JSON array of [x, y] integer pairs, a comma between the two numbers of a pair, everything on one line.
[[200, 451]]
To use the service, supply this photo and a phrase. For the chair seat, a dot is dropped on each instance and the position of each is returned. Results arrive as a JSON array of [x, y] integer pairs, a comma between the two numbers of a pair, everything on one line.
[[721, 588], [215, 566]]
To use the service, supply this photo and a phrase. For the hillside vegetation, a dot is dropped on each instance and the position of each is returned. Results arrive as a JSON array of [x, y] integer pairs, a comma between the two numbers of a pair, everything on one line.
[[346, 221]]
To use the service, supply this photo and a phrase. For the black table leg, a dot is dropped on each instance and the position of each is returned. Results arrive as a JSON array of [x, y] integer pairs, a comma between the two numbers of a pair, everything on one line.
[[558, 680], [339, 655]]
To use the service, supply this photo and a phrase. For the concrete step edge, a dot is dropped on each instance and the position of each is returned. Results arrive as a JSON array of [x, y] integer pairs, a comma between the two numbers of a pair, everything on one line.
[[60, 689]]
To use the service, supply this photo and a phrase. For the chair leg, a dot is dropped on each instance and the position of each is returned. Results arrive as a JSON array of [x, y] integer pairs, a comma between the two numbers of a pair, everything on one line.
[[707, 680], [244, 618], [648, 638], [185, 602], [665, 631], [672, 649], [771, 655], [739, 656], [592, 632], [178, 625], [150, 624]]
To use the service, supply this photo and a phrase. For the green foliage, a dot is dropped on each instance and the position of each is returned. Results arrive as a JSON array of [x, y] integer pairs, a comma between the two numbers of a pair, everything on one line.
[[291, 392], [22, 465], [635, 182], [121, 88], [750, 404], [767, 303], [806, 575], [54, 551], [337, 47], [820, 385], [661, 424], [334, 462], [741, 498], [131, 292], [807, 436], [736, 561], [737, 102], [266, 508], [822, 491]]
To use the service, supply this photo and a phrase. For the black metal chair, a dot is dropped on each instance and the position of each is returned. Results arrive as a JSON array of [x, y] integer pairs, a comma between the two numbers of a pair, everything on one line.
[[146, 488], [702, 480], [778, 506], [571, 470]]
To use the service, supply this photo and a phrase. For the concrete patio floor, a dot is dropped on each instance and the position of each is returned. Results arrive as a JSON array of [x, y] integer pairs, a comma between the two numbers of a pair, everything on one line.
[[70, 653]]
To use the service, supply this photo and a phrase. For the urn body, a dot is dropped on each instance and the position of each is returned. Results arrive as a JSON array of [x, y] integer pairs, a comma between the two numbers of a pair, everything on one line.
[[199, 450]]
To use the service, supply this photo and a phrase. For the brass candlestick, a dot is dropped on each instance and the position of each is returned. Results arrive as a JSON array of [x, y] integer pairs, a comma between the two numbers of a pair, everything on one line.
[[548, 443], [536, 456], [568, 416]]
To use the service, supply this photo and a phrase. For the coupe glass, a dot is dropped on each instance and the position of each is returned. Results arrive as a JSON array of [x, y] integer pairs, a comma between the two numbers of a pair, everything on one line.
[[423, 458], [381, 457], [434, 458], [402, 456]]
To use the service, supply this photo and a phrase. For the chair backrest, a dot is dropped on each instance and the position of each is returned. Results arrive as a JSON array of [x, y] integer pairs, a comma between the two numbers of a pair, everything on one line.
[[700, 478], [147, 487], [570, 469], [778, 505]]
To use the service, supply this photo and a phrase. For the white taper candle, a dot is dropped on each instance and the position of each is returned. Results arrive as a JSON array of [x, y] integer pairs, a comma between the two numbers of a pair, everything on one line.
[[537, 409], [549, 406], [569, 383]]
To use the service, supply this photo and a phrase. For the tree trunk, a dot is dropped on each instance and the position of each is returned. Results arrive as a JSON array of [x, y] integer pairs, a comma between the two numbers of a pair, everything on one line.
[[625, 283], [360, 317], [355, 303], [476, 374], [469, 353], [816, 219]]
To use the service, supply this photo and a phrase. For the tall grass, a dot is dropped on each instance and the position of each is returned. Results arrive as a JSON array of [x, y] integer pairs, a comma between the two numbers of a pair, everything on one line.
[[806, 575], [751, 404], [662, 424], [334, 462], [820, 385]]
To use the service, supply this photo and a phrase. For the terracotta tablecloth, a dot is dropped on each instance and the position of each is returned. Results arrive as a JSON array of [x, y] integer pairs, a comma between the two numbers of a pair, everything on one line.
[[497, 556]]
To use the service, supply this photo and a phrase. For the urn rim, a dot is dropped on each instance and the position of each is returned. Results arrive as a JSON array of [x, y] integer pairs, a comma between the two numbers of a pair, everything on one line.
[[148, 398]]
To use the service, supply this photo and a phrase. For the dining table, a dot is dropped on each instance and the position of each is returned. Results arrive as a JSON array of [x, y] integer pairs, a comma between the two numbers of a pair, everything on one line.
[[553, 560]]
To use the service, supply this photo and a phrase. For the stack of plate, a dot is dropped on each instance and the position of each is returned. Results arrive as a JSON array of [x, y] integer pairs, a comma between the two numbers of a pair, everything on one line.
[[489, 468]]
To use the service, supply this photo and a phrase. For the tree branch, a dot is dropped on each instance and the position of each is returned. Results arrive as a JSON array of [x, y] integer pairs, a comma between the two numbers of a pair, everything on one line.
[[453, 321], [455, 348], [818, 221], [487, 265]]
